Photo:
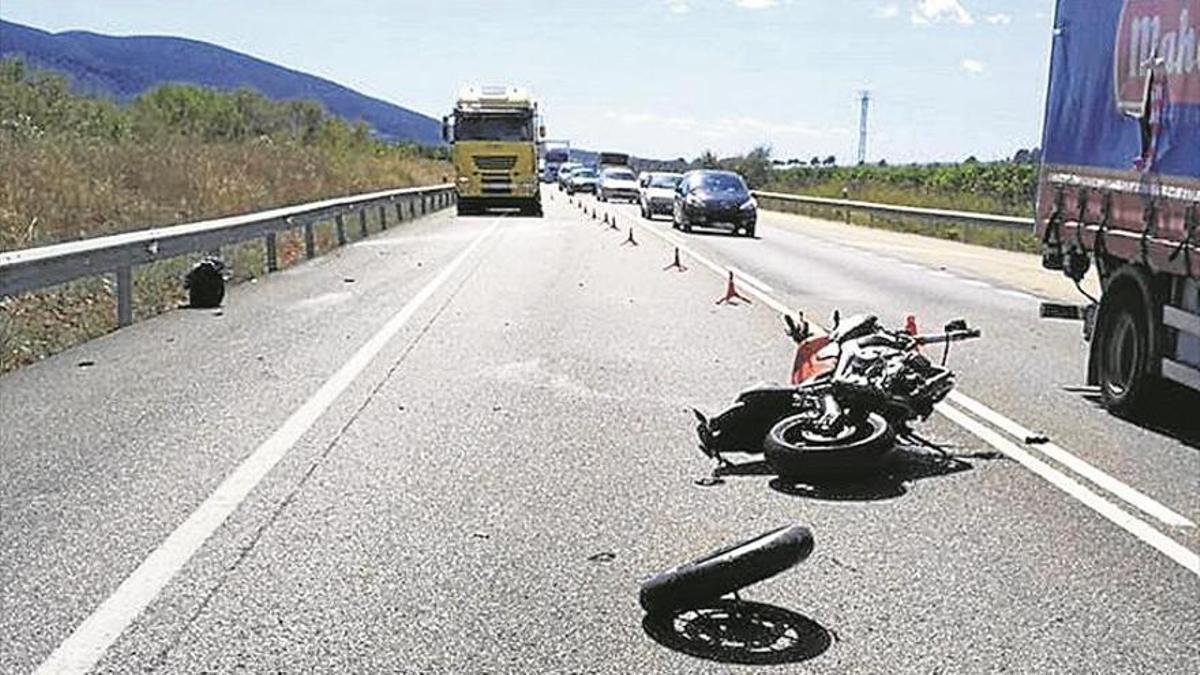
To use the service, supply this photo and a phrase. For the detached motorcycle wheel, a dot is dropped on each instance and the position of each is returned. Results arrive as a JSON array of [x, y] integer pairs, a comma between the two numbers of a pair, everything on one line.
[[797, 453], [724, 571]]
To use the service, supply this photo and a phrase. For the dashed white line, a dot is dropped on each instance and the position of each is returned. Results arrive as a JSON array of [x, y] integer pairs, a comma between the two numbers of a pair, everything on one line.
[[92, 638]]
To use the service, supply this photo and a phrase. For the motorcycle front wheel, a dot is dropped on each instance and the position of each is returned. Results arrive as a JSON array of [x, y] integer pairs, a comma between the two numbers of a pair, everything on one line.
[[798, 452]]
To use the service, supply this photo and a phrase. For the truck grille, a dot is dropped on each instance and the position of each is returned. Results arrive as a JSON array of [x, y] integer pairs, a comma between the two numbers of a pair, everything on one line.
[[496, 163]]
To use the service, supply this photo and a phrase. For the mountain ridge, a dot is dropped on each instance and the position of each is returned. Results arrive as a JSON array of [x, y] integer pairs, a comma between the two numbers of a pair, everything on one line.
[[125, 66]]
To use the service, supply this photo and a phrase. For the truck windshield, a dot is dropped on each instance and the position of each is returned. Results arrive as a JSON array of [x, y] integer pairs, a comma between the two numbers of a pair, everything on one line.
[[493, 128]]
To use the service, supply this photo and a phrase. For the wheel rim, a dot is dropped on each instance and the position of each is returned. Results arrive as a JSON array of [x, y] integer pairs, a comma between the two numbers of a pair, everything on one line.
[[1123, 354], [800, 435]]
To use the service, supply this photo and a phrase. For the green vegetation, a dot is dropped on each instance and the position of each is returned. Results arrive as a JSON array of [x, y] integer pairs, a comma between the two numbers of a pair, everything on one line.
[[74, 166], [1006, 188]]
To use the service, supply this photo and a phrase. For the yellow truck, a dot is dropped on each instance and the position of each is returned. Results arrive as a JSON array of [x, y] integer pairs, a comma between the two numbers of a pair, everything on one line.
[[493, 133]]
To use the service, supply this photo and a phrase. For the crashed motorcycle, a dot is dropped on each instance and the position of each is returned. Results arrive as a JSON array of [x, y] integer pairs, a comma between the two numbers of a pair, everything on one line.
[[854, 391]]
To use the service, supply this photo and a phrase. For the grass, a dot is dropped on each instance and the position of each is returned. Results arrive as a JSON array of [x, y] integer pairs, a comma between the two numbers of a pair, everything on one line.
[[1008, 239], [73, 167]]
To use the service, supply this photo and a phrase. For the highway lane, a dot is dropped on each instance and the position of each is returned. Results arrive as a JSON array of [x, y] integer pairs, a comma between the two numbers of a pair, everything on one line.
[[1026, 369], [489, 492]]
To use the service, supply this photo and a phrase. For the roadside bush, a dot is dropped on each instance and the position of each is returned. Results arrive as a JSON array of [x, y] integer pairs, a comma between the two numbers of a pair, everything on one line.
[[75, 166]]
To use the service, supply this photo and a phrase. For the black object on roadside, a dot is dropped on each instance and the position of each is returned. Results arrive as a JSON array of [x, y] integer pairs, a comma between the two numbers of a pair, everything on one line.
[[205, 283]]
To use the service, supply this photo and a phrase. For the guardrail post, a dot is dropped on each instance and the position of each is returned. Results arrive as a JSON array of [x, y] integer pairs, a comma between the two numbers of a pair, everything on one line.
[[272, 259], [340, 223], [310, 244], [362, 223], [124, 296], [399, 204], [382, 217]]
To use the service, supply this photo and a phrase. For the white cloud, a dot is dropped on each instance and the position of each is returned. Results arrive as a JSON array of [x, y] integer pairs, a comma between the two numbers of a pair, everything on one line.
[[678, 6], [756, 4], [998, 19], [890, 10], [973, 66], [937, 11]]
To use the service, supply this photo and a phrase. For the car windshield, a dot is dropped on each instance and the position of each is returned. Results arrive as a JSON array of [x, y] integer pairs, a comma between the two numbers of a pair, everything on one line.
[[668, 181], [508, 127], [721, 182], [584, 173], [619, 175]]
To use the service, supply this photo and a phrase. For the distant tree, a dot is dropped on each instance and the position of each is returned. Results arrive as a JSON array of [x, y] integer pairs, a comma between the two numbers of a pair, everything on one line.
[[830, 161], [883, 162], [971, 160], [755, 166], [707, 160], [815, 161]]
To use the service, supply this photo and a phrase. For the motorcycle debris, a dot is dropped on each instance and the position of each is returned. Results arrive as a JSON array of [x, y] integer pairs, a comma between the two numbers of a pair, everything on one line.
[[1037, 439], [603, 556], [709, 481]]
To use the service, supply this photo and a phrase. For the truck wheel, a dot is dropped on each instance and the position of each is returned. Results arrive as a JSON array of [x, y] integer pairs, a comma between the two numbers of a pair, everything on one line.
[[726, 570], [1124, 352]]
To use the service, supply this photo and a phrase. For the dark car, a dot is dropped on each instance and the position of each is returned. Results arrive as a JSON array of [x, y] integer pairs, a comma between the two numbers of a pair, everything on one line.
[[718, 199]]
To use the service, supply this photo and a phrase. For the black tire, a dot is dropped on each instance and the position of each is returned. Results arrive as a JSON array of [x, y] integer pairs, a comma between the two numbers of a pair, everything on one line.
[[205, 285], [1124, 353], [750, 232], [801, 457], [726, 570]]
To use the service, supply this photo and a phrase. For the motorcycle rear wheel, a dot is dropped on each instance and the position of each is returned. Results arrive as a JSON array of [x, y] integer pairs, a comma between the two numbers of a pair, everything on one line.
[[799, 454]]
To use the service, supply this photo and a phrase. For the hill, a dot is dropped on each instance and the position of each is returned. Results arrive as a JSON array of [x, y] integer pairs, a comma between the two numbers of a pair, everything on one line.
[[124, 67]]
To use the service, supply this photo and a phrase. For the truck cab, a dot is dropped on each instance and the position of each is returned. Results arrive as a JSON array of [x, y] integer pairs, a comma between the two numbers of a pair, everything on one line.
[[494, 132]]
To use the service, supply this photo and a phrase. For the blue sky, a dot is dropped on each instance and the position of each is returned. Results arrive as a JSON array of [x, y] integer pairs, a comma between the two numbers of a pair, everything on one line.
[[662, 78]]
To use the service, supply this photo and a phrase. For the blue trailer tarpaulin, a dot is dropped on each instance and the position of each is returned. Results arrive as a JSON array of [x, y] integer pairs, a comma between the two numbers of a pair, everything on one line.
[[1125, 87]]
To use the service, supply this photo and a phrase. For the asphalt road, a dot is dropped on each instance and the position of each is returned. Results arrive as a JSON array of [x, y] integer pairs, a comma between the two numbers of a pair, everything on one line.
[[460, 446]]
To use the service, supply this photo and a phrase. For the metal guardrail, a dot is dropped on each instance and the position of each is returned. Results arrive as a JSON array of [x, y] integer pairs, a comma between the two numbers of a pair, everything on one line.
[[32, 269], [969, 217]]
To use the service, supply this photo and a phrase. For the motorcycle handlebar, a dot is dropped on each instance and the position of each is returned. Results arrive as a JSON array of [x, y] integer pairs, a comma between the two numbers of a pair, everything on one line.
[[952, 336]]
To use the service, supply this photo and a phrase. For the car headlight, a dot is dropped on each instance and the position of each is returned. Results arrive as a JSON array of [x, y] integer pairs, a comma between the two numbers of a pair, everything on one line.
[[750, 205], [693, 200]]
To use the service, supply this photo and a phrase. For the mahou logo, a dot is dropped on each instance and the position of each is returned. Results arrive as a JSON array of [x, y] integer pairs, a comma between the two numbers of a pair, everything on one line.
[[1159, 34]]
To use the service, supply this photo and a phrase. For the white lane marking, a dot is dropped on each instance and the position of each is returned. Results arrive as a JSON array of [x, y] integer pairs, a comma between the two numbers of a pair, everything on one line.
[[1126, 521], [977, 283], [751, 279], [1020, 295], [1130, 523], [1126, 493], [80, 652]]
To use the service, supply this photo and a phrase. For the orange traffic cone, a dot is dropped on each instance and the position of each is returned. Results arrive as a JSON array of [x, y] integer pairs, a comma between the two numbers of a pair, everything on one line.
[[731, 293]]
